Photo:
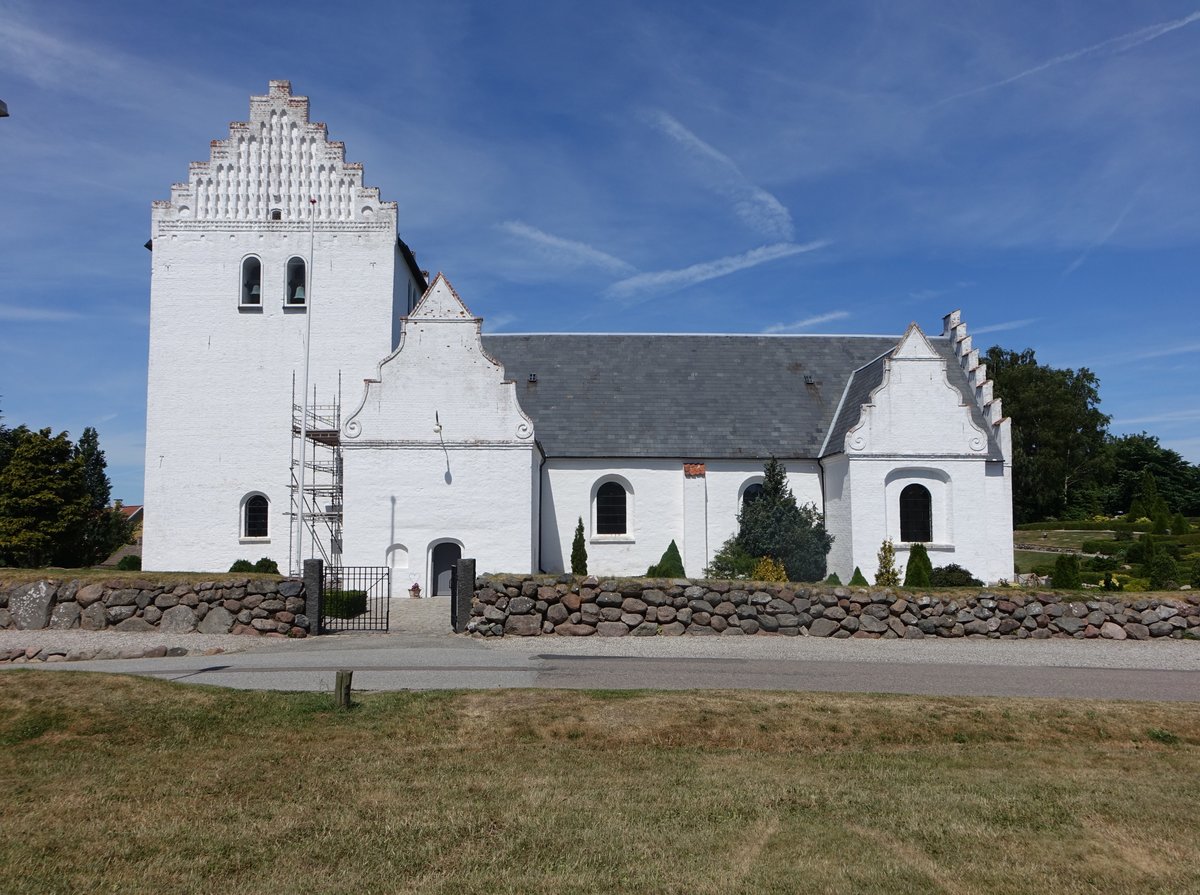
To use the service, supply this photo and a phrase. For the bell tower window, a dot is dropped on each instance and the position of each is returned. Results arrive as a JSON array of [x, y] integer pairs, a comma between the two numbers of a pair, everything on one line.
[[251, 281], [297, 281]]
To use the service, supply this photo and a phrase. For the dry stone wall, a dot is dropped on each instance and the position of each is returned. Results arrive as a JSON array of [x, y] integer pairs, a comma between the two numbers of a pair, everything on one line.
[[532, 605], [253, 606]]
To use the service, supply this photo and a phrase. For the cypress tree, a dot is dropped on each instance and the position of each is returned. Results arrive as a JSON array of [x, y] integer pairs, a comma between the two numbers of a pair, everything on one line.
[[579, 551], [1066, 572], [669, 566], [887, 575]]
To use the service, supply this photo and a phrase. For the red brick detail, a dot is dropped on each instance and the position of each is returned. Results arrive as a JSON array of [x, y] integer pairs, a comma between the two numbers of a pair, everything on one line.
[[693, 470]]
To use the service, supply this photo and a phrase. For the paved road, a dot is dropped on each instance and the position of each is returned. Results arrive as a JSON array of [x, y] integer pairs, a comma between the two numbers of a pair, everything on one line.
[[417, 658]]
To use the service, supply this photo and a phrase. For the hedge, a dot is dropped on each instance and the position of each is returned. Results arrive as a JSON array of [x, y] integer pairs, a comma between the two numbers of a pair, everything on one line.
[[1084, 525], [345, 603]]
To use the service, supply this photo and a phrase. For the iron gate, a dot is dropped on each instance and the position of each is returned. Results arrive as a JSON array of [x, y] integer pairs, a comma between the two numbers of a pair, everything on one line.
[[356, 598]]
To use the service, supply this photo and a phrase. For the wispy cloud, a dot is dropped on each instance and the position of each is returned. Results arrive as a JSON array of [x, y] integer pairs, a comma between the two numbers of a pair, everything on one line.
[[1119, 44], [632, 288], [22, 314], [807, 322], [756, 207], [1105, 237], [567, 251], [1191, 348], [497, 322], [1002, 327], [1176, 416]]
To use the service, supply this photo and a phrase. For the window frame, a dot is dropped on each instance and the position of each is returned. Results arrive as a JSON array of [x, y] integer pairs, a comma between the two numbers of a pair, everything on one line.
[[244, 286], [244, 531], [626, 536]]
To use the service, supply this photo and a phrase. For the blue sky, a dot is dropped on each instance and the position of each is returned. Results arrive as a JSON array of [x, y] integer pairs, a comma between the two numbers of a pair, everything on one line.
[[639, 166]]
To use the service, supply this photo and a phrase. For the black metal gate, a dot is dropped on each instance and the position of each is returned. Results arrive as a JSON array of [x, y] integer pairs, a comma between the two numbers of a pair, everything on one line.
[[356, 598]]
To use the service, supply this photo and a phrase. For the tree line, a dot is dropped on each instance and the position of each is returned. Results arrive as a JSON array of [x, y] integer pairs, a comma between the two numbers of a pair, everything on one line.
[[54, 500], [1066, 463]]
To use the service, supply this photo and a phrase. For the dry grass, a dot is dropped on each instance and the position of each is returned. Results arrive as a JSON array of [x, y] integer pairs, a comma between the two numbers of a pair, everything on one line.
[[112, 576], [125, 785]]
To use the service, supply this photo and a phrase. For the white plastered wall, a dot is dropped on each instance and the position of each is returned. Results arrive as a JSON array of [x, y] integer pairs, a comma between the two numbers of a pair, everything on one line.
[[439, 450], [916, 429], [663, 504]]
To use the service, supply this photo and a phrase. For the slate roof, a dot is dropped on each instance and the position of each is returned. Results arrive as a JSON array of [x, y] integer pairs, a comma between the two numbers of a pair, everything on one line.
[[706, 397]]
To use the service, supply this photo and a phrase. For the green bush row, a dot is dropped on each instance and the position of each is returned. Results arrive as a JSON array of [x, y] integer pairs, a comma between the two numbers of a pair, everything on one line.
[[345, 603]]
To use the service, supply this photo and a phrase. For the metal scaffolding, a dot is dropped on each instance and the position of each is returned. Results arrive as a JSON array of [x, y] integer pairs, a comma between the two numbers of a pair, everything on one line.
[[316, 496]]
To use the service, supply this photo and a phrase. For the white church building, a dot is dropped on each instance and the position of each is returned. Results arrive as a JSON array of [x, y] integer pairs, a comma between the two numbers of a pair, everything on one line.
[[418, 439]]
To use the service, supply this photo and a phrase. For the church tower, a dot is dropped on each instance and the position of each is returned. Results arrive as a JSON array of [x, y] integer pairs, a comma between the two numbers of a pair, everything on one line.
[[274, 228]]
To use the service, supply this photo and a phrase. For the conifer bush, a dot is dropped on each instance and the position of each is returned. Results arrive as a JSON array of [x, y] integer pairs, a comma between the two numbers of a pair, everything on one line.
[[129, 563], [579, 551], [1066, 572], [833, 578], [267, 566], [858, 579], [919, 570], [953, 575], [669, 566], [242, 565], [887, 575]]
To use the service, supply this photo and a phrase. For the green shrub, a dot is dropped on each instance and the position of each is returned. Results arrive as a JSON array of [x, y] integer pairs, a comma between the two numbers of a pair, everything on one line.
[[858, 579], [1108, 548], [579, 551], [953, 575], [129, 563], [1195, 579], [242, 565], [919, 569], [345, 603], [669, 566], [731, 561], [1056, 525], [1179, 525], [833, 578], [267, 566], [1103, 564], [1162, 523], [1066, 572], [1164, 573]]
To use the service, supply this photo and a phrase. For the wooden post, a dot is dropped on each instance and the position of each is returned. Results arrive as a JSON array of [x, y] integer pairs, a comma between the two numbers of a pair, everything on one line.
[[341, 688]]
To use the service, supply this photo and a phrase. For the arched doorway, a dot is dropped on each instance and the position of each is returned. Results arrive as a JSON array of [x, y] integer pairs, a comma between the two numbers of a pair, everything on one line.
[[442, 566]]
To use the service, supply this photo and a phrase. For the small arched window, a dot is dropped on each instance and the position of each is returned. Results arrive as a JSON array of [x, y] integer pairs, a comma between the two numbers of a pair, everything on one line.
[[916, 515], [256, 517], [251, 281], [297, 282], [751, 494], [611, 509]]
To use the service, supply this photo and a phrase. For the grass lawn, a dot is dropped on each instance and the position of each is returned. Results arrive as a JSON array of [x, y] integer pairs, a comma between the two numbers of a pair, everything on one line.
[[1061, 538], [123, 785]]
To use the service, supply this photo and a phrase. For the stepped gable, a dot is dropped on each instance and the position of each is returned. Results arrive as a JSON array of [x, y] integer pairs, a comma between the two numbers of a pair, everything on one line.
[[270, 169]]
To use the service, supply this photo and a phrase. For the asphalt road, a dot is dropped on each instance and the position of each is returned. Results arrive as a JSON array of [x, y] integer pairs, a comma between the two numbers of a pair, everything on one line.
[[1155, 670]]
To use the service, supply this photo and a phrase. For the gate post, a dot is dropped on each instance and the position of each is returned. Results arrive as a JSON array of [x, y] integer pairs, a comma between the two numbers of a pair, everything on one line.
[[314, 593], [464, 592]]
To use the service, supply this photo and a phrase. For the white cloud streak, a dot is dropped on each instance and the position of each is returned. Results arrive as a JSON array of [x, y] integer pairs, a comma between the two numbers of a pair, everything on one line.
[[1178, 416], [22, 314], [1104, 238], [1191, 348], [807, 323], [637, 286], [1002, 327], [756, 207], [1119, 44], [568, 251]]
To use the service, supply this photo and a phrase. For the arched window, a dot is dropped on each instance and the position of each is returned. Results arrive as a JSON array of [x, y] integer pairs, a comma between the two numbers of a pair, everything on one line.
[[916, 515], [297, 282], [256, 517], [752, 493], [611, 506], [251, 281]]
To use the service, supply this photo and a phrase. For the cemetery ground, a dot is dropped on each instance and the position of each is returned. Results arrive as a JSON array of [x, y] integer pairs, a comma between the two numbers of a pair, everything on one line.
[[124, 784]]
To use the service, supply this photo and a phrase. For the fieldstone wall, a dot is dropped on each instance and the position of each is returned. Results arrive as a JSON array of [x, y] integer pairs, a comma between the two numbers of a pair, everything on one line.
[[254, 606], [528, 605]]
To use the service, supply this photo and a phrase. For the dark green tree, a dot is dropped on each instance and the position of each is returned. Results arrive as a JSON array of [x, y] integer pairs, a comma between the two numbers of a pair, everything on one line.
[[106, 528], [919, 571], [773, 525], [858, 579], [669, 566], [1129, 459], [1164, 573], [1180, 525], [1194, 581], [1066, 572], [44, 506], [579, 551], [731, 561], [1058, 434]]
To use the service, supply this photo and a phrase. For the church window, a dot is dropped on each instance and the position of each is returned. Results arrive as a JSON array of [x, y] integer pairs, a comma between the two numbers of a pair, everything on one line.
[[256, 517], [752, 493], [251, 281], [916, 515], [297, 281], [611, 504]]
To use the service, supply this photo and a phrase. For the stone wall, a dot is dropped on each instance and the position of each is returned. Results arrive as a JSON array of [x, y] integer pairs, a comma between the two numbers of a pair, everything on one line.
[[529, 605], [254, 606]]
